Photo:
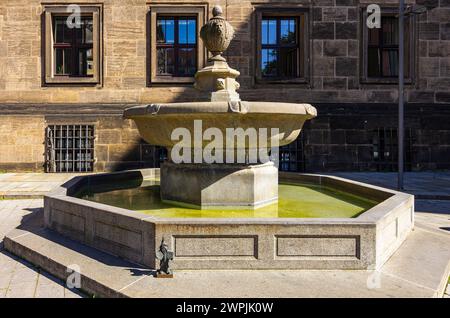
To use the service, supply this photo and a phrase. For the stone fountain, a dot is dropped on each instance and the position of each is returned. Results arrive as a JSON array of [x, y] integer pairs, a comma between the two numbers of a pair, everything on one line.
[[318, 221], [205, 184]]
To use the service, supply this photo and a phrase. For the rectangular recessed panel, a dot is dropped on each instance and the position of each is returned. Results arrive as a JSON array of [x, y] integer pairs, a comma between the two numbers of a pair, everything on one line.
[[118, 235], [213, 246], [67, 220], [297, 246]]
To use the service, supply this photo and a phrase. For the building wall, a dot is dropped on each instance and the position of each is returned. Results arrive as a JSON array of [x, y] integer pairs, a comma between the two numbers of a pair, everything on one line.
[[339, 139], [334, 61]]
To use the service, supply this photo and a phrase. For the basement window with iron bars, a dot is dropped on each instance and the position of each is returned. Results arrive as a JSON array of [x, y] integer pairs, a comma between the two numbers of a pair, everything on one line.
[[70, 148]]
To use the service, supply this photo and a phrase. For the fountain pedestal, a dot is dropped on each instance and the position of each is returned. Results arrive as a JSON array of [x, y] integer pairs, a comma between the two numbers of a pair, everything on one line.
[[215, 185]]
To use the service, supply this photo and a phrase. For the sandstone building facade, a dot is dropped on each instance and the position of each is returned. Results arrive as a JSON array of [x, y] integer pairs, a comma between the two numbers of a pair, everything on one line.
[[63, 90]]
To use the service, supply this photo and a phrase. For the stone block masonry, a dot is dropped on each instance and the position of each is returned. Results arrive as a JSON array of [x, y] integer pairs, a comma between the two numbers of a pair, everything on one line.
[[339, 139], [335, 28]]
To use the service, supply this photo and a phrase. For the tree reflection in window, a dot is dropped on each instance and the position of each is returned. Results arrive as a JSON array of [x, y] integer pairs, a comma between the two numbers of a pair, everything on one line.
[[176, 46], [279, 47]]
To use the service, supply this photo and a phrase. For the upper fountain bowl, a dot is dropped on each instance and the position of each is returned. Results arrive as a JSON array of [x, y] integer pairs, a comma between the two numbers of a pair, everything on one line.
[[156, 122]]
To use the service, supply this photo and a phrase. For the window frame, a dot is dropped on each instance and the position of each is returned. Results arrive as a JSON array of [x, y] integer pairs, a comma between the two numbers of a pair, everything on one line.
[[179, 10], [302, 16], [49, 57], [364, 78]]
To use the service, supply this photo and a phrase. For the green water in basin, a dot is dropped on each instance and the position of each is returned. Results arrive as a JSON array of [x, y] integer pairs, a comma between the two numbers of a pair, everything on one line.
[[295, 201]]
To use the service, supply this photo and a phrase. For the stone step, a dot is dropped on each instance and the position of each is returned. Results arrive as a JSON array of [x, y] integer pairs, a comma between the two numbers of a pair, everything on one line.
[[418, 269], [101, 274]]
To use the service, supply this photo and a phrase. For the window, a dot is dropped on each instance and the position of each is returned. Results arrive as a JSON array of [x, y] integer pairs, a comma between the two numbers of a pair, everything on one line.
[[385, 146], [69, 148], [292, 156], [175, 50], [176, 46], [72, 52], [381, 50], [281, 47]]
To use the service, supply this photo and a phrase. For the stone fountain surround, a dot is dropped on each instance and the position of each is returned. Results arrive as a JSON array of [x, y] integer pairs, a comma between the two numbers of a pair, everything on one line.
[[364, 242]]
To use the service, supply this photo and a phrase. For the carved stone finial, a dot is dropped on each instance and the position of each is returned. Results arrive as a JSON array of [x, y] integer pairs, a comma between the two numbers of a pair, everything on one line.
[[217, 10], [217, 34], [217, 78]]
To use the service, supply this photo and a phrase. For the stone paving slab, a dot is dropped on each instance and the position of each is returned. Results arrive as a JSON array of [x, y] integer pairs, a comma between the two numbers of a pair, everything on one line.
[[19, 278], [34, 185], [424, 185], [53, 252]]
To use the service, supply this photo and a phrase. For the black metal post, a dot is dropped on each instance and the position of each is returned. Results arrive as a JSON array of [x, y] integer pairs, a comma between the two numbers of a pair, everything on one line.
[[401, 53]]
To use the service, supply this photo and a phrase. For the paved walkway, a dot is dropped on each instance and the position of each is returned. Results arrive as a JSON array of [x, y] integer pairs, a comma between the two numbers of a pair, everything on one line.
[[30, 185], [17, 277], [424, 185], [20, 279]]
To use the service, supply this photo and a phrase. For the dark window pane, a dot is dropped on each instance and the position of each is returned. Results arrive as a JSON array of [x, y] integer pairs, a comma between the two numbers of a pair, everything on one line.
[[374, 36], [59, 31], [59, 61], [85, 63], [373, 63], [88, 28], [288, 62], [390, 30], [390, 62], [165, 57], [269, 62], [287, 31], [186, 62], [382, 54], [62, 33], [62, 61]]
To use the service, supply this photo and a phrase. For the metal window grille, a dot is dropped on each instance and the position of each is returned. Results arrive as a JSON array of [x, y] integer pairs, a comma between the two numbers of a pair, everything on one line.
[[69, 148], [292, 157], [385, 149]]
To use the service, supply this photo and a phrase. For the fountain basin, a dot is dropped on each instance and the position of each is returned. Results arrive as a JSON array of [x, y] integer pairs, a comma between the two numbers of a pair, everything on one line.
[[362, 241], [197, 182], [156, 122]]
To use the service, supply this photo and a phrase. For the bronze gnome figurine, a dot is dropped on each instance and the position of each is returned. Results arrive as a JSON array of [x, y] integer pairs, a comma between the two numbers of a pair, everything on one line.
[[164, 256]]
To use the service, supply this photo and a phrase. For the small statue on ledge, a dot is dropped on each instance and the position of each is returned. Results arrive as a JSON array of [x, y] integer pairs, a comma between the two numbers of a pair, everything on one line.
[[164, 256]]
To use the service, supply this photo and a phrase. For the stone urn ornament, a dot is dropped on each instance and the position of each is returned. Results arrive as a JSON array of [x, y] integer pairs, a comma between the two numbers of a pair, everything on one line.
[[217, 34], [218, 78]]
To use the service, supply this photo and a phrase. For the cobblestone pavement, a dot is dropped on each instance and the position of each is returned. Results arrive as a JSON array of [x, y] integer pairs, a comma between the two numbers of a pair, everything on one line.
[[17, 277]]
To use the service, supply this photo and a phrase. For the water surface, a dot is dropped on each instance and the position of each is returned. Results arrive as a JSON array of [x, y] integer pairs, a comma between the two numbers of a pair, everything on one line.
[[295, 201]]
